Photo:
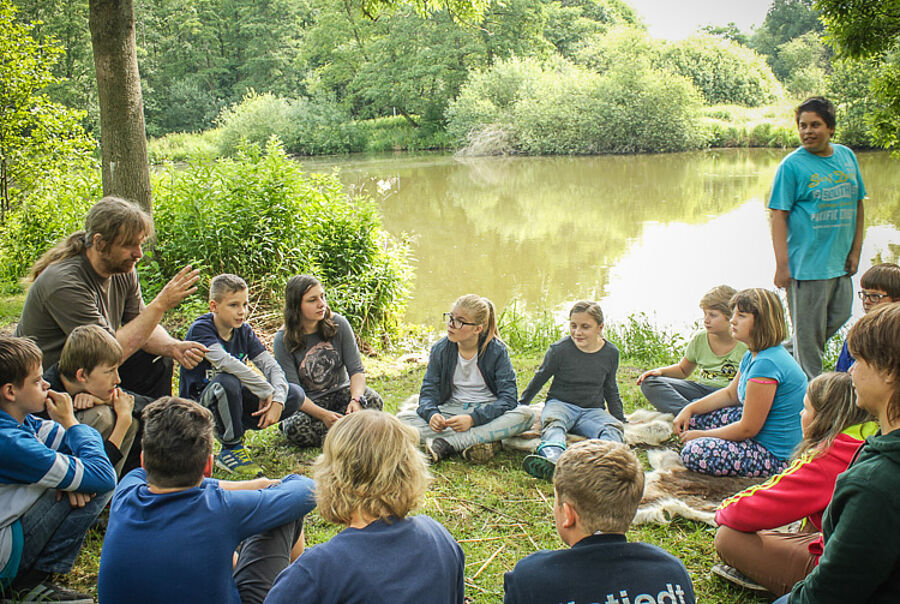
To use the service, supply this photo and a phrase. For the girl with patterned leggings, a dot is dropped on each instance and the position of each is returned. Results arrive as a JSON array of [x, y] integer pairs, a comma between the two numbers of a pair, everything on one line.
[[750, 427]]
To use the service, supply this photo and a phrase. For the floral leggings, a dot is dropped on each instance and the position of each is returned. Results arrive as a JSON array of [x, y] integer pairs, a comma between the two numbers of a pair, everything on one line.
[[720, 457]]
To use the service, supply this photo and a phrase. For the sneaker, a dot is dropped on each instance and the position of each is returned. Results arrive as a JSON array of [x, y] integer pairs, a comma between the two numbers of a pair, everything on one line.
[[480, 452], [238, 461], [48, 592], [440, 449], [733, 575], [539, 466]]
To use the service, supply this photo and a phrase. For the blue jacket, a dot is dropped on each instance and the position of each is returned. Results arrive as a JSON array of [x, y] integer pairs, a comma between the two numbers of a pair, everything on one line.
[[495, 368]]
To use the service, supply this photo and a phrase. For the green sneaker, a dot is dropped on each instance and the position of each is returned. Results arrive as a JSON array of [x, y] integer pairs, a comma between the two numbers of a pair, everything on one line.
[[238, 461]]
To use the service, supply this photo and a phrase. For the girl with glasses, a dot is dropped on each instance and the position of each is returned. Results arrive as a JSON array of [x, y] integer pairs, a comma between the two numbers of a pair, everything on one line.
[[468, 401]]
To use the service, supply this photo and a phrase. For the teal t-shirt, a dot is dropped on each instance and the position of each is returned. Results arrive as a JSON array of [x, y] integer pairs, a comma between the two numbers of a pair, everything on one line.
[[821, 194], [781, 431], [712, 369]]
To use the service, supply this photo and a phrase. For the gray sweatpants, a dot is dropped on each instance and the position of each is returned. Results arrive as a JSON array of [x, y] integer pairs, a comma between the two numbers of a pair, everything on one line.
[[262, 557], [513, 422], [818, 310]]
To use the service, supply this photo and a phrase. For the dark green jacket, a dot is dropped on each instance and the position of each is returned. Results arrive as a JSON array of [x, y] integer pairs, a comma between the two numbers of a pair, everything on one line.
[[861, 527]]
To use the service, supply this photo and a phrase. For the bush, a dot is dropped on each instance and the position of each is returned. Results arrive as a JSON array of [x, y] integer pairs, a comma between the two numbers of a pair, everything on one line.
[[626, 110], [527, 333], [558, 108], [259, 216], [184, 146], [723, 71], [50, 212]]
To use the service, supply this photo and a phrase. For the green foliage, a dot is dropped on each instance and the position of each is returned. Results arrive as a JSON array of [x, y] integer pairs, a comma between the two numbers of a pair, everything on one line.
[[729, 32], [259, 216], [848, 87], [254, 120], [624, 45], [805, 59], [569, 22], [37, 136], [723, 71], [861, 28], [527, 333], [563, 109], [184, 146], [785, 20], [645, 344], [55, 208]]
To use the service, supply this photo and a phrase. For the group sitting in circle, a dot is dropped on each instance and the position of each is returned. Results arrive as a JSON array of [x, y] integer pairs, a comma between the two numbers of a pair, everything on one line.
[[86, 405]]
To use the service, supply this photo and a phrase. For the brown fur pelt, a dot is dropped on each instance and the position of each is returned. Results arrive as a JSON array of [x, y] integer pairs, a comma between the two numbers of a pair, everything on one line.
[[672, 490]]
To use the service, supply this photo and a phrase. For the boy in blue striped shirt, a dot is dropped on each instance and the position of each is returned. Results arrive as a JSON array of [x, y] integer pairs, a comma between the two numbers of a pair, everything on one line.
[[41, 531]]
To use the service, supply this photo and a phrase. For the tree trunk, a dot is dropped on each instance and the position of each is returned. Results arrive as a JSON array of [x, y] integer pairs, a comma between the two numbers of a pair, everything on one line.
[[123, 141]]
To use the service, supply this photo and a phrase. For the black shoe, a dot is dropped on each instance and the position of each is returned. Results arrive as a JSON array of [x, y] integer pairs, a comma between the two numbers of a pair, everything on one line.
[[47, 592], [440, 449]]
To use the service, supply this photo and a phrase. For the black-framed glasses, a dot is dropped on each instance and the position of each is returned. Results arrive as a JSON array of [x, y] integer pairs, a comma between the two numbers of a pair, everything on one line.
[[871, 296], [455, 322]]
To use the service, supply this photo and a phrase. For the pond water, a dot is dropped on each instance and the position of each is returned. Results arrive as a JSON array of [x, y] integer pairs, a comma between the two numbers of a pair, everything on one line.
[[640, 233]]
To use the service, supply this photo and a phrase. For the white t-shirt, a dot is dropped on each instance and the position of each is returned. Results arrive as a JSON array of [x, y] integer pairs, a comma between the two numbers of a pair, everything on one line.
[[468, 383]]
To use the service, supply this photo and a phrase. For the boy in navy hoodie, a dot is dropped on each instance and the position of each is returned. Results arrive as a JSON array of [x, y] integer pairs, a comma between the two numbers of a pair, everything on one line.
[[597, 487]]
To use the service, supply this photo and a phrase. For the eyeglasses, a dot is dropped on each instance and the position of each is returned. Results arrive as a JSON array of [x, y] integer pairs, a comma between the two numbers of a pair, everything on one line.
[[871, 296], [455, 322]]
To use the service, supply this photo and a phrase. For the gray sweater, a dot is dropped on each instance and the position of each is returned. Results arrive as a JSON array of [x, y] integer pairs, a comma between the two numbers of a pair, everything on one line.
[[322, 366]]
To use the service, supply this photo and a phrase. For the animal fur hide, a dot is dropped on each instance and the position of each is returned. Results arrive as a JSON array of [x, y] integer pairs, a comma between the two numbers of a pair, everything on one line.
[[672, 490], [644, 427]]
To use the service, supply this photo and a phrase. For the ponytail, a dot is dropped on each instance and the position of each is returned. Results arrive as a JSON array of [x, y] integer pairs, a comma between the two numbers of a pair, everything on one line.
[[73, 245], [482, 312]]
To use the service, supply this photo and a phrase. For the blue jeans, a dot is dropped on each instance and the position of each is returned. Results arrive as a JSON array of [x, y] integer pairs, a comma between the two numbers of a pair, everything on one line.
[[53, 531], [671, 395], [560, 417]]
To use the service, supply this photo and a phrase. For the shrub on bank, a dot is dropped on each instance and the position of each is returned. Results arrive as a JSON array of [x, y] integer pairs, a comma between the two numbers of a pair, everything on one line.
[[257, 215], [559, 108], [723, 71], [260, 216]]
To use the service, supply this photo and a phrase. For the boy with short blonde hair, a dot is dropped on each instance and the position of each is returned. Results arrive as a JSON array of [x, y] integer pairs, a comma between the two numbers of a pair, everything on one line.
[[88, 371], [41, 534], [597, 487], [239, 398]]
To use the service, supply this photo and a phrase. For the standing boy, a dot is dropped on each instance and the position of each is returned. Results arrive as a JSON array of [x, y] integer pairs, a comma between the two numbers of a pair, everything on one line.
[[240, 398], [172, 533], [88, 371], [41, 532], [861, 559], [597, 487], [817, 231]]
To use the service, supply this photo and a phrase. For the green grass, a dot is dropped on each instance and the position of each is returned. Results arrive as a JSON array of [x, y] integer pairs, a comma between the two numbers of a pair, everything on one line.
[[10, 308]]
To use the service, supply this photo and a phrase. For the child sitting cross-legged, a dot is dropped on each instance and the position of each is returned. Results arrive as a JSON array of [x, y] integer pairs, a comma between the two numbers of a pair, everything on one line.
[[369, 477], [240, 398], [597, 487], [750, 427], [583, 366], [88, 371], [172, 532], [834, 428], [42, 531], [713, 352]]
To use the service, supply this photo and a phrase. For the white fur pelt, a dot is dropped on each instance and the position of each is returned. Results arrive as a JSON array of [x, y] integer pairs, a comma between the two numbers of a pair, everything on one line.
[[644, 427], [672, 490]]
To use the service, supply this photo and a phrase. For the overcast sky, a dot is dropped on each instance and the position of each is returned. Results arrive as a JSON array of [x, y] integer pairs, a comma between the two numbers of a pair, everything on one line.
[[676, 19]]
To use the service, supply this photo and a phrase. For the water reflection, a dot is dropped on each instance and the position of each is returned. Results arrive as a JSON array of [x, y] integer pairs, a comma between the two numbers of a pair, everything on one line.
[[645, 233]]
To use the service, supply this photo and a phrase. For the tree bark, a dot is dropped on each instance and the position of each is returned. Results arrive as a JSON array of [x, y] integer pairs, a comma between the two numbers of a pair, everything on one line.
[[123, 140]]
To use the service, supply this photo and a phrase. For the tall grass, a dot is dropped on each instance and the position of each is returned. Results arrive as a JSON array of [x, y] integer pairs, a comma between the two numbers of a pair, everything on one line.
[[528, 333]]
